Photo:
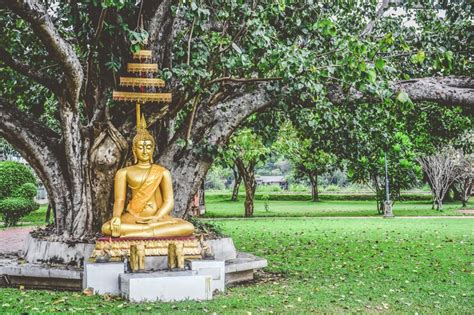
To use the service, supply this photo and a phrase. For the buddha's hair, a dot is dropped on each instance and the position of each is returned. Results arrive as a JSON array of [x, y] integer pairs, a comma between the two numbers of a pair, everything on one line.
[[142, 135]]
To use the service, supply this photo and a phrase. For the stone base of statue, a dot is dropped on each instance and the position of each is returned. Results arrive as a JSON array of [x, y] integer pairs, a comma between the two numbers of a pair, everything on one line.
[[165, 286], [53, 265]]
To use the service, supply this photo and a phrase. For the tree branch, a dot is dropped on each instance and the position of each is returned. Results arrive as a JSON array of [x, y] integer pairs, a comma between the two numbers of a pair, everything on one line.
[[449, 91], [243, 80], [26, 70], [39, 145], [34, 12], [188, 60], [370, 26], [217, 123]]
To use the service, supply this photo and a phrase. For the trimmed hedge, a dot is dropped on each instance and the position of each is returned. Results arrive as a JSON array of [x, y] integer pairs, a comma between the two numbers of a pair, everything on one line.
[[14, 208], [17, 191], [323, 197], [12, 176], [27, 190]]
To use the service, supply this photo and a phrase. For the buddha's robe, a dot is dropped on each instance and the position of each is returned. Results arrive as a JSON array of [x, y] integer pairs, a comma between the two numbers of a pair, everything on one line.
[[146, 191]]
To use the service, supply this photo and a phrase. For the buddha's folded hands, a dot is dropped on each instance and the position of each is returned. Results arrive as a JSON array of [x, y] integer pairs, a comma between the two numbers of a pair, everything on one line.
[[154, 219]]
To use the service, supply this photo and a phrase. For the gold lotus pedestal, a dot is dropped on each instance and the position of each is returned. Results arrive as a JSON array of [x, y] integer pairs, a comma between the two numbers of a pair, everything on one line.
[[116, 248]]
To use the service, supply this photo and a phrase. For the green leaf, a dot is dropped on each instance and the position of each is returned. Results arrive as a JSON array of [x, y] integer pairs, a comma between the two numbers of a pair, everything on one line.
[[419, 57], [371, 75], [379, 64], [403, 97], [449, 56]]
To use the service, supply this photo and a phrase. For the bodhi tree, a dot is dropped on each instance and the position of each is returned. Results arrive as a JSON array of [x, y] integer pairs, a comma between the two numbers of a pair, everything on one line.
[[226, 160], [246, 149], [222, 60], [306, 158]]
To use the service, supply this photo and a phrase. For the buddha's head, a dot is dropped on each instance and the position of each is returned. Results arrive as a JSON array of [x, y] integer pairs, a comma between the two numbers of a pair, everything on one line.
[[143, 145]]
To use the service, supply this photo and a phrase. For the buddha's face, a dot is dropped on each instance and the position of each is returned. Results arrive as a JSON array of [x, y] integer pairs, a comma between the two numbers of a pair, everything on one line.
[[144, 150]]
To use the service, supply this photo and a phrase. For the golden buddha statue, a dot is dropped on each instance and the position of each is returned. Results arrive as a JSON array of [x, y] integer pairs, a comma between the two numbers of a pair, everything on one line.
[[147, 213]]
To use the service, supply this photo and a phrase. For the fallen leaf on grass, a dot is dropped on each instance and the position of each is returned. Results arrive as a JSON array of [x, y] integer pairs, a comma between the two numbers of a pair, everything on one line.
[[88, 291], [61, 300]]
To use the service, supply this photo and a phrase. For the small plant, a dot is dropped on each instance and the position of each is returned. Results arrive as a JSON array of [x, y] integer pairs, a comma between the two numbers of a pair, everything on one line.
[[17, 192], [332, 188], [12, 176], [207, 228], [14, 208], [266, 205]]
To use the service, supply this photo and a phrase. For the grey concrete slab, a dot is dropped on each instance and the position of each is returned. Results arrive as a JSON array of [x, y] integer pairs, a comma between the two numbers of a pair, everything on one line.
[[166, 286], [213, 268], [41, 251], [245, 261], [222, 248], [103, 277]]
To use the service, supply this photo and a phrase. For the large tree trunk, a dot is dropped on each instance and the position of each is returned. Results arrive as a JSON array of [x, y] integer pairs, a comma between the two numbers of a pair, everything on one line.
[[108, 153], [248, 176], [237, 181]]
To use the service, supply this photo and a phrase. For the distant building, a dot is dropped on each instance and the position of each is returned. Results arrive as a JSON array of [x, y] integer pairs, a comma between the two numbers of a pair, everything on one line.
[[272, 180]]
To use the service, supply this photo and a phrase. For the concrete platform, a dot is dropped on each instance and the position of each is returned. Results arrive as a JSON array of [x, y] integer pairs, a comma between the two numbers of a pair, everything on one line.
[[243, 267], [222, 248], [165, 286], [103, 277], [38, 276], [213, 268], [40, 251], [14, 271]]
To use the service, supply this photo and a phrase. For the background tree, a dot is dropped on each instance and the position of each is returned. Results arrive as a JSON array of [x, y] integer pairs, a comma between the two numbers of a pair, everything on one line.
[[226, 160], [442, 170], [222, 60], [465, 182], [6, 150], [306, 158], [246, 148], [368, 167]]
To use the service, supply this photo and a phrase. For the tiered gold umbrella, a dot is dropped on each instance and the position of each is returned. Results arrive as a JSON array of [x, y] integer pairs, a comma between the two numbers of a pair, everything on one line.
[[141, 68]]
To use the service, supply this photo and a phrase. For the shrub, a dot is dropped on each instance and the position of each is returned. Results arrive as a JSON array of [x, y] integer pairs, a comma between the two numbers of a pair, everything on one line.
[[332, 188], [12, 176], [299, 188], [14, 208], [27, 190], [269, 188]]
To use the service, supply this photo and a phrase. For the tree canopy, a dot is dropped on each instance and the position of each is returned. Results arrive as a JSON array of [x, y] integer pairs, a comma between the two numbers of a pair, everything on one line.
[[223, 61]]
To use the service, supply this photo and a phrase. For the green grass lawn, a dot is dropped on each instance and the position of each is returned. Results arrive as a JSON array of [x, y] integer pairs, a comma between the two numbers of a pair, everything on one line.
[[222, 207], [330, 266]]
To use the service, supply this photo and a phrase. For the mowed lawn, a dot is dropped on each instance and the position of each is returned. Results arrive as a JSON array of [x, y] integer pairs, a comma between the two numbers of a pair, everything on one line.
[[223, 207], [320, 265]]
